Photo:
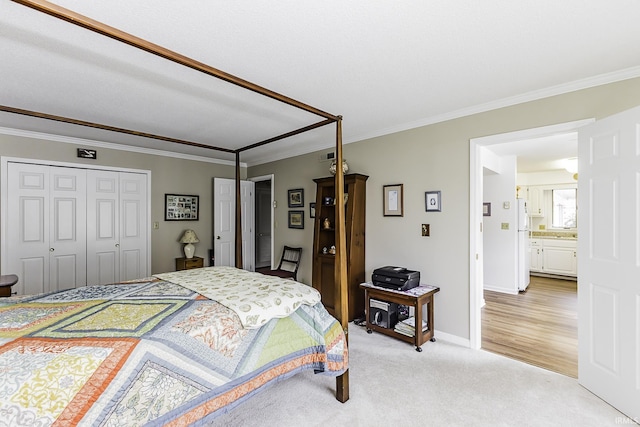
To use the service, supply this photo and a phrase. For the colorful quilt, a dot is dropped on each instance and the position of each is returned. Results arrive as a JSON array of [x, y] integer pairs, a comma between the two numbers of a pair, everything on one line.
[[149, 353]]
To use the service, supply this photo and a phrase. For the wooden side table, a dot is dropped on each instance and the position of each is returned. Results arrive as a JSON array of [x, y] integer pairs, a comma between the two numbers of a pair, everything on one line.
[[416, 297], [189, 263], [6, 282]]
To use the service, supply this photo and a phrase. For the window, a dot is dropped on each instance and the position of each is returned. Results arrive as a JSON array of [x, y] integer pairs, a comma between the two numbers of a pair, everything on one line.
[[564, 202]]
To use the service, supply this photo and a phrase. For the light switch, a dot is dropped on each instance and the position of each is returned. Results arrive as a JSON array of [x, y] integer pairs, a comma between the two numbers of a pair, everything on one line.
[[156, 225], [505, 226]]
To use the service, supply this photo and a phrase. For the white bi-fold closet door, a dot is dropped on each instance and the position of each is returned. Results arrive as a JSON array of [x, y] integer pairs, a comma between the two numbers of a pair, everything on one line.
[[66, 226]]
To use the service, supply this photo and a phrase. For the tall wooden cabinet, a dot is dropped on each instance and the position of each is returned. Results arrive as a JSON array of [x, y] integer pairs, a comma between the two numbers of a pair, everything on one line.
[[325, 237]]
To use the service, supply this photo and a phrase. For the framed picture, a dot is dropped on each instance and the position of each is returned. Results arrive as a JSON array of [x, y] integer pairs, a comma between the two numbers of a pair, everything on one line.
[[393, 201], [432, 201], [486, 209], [181, 207], [312, 210], [296, 198], [296, 219]]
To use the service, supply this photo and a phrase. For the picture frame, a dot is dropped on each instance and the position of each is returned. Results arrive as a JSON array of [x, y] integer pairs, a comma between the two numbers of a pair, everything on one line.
[[181, 207], [433, 201], [296, 219], [296, 198], [312, 210], [486, 209], [393, 201]]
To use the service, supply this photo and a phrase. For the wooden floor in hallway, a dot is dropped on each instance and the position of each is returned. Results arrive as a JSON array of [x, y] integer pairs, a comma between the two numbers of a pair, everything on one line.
[[539, 326]]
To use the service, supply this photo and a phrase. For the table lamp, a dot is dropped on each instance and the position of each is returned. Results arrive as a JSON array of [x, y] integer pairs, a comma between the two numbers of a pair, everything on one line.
[[189, 237]]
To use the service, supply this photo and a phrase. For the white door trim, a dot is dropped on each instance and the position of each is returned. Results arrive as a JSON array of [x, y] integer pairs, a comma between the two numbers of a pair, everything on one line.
[[5, 160], [475, 212]]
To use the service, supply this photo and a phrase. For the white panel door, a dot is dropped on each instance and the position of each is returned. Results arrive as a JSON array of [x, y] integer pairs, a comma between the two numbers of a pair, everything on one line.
[[68, 228], [224, 216], [103, 223], [46, 231], [27, 231], [134, 227], [609, 260], [224, 197]]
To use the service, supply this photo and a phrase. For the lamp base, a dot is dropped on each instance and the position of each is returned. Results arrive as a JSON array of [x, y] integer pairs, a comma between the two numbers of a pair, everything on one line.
[[189, 250]]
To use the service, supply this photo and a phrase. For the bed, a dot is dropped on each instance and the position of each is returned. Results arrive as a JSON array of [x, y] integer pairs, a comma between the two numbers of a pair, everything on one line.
[[326, 352], [160, 351]]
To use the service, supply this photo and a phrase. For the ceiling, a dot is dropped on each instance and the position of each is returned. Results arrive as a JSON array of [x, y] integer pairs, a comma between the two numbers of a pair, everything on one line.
[[384, 66]]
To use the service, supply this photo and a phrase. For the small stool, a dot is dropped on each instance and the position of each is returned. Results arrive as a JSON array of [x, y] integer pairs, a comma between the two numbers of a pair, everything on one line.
[[6, 282]]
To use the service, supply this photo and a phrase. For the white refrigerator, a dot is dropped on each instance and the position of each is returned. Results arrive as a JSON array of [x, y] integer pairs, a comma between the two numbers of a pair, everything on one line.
[[524, 250]]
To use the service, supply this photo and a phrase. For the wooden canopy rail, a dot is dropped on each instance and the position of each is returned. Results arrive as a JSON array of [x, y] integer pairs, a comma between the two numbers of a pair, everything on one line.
[[342, 382]]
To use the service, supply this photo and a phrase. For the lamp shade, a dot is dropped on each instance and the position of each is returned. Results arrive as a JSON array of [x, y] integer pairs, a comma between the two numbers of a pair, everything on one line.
[[189, 236]]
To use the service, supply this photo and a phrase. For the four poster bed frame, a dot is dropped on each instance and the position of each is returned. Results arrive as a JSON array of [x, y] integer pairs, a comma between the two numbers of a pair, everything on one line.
[[342, 382]]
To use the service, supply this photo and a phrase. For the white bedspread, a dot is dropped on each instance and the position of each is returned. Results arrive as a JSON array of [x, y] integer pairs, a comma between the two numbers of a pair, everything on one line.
[[254, 297]]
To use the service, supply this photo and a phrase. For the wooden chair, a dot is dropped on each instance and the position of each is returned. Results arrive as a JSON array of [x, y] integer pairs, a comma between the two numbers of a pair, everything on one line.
[[289, 263]]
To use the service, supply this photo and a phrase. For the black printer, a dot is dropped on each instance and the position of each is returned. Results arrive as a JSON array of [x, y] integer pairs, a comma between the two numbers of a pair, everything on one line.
[[397, 278]]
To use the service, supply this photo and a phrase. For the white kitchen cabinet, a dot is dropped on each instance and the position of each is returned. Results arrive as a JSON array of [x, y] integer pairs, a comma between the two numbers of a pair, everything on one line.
[[554, 256], [535, 201], [536, 255], [560, 257]]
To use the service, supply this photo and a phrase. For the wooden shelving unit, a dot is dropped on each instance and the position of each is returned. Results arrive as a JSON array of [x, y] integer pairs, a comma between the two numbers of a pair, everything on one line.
[[324, 237]]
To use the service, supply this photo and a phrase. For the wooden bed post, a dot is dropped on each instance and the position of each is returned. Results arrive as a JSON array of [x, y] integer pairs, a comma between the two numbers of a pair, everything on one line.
[[238, 214], [342, 382]]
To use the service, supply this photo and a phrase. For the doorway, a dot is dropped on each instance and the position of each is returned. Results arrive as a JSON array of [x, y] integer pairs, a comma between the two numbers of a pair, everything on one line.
[[476, 269], [263, 196]]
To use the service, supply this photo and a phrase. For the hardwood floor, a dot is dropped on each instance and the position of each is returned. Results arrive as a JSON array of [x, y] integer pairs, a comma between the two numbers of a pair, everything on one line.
[[539, 326]]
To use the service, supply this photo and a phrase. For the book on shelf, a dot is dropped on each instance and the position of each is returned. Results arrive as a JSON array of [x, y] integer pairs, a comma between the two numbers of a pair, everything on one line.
[[407, 326]]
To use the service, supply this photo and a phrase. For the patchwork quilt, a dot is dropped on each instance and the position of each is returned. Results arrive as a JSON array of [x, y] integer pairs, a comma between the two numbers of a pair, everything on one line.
[[148, 353]]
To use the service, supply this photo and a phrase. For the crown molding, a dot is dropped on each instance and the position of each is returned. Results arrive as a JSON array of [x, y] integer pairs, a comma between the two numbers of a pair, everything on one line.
[[586, 83], [112, 146]]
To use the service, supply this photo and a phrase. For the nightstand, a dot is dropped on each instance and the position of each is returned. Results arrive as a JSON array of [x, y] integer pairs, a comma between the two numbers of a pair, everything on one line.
[[189, 263]]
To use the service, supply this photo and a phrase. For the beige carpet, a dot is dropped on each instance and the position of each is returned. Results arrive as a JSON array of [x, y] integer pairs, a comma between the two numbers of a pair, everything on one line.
[[445, 385]]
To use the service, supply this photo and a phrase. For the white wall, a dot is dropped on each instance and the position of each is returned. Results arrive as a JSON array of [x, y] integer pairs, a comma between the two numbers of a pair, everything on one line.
[[500, 255]]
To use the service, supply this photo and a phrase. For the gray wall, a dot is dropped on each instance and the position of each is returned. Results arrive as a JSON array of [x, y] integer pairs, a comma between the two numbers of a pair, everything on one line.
[[434, 157], [168, 175]]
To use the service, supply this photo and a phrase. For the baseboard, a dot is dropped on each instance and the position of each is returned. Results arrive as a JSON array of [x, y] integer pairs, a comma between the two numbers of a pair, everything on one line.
[[452, 339], [501, 290]]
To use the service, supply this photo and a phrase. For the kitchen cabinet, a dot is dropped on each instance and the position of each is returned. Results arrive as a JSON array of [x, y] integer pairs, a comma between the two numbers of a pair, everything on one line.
[[560, 257], [554, 256], [535, 201], [536, 255]]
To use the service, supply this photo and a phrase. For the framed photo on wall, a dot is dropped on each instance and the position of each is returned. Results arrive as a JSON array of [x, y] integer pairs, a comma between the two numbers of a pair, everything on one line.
[[393, 200], [181, 207], [486, 209], [296, 198], [296, 219], [432, 201]]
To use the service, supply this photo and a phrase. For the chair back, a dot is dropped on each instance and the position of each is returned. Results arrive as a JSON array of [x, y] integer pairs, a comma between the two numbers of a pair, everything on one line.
[[290, 260]]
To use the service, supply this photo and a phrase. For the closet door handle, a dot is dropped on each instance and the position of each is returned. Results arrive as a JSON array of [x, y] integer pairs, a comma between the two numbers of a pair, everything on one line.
[[117, 245], [51, 249]]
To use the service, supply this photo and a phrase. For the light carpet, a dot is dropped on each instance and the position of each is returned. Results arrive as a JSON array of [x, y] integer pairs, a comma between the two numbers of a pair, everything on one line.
[[445, 385]]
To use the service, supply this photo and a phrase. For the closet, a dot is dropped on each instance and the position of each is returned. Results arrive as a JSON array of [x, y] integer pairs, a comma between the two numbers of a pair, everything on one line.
[[67, 226]]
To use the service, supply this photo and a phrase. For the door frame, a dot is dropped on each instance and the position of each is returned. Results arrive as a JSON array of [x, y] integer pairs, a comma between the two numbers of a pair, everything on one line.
[[476, 253], [270, 177], [4, 170]]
